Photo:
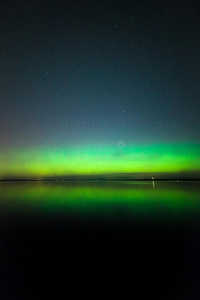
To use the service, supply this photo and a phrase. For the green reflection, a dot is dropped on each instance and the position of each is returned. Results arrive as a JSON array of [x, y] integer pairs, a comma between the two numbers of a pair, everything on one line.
[[110, 200]]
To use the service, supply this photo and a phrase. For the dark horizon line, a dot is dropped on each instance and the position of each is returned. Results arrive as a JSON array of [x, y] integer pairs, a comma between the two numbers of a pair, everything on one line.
[[105, 180]]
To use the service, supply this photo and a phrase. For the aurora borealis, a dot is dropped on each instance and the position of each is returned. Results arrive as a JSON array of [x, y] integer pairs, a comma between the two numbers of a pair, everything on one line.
[[80, 77], [99, 149], [146, 162]]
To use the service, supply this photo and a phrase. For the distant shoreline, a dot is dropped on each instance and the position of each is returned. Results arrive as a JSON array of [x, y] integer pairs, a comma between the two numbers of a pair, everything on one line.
[[99, 180]]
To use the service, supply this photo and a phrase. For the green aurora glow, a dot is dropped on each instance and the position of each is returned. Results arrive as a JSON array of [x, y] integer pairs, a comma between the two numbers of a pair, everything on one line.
[[52, 162]]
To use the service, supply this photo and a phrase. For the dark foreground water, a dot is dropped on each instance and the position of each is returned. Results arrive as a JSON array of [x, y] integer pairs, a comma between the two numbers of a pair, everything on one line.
[[72, 240]]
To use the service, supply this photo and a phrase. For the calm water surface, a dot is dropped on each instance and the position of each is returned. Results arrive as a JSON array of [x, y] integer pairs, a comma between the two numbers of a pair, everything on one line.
[[60, 237]]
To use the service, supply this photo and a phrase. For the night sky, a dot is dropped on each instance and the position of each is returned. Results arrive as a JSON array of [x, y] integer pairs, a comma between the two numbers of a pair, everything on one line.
[[90, 74]]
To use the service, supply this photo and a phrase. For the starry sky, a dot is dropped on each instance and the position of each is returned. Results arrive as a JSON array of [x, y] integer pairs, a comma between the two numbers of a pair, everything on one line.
[[91, 74]]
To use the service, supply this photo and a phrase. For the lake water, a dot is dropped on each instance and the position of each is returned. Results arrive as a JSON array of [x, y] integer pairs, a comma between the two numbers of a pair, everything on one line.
[[59, 238]]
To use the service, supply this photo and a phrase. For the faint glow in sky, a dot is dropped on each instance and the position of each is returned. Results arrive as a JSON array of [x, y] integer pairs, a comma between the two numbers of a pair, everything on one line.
[[91, 73]]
